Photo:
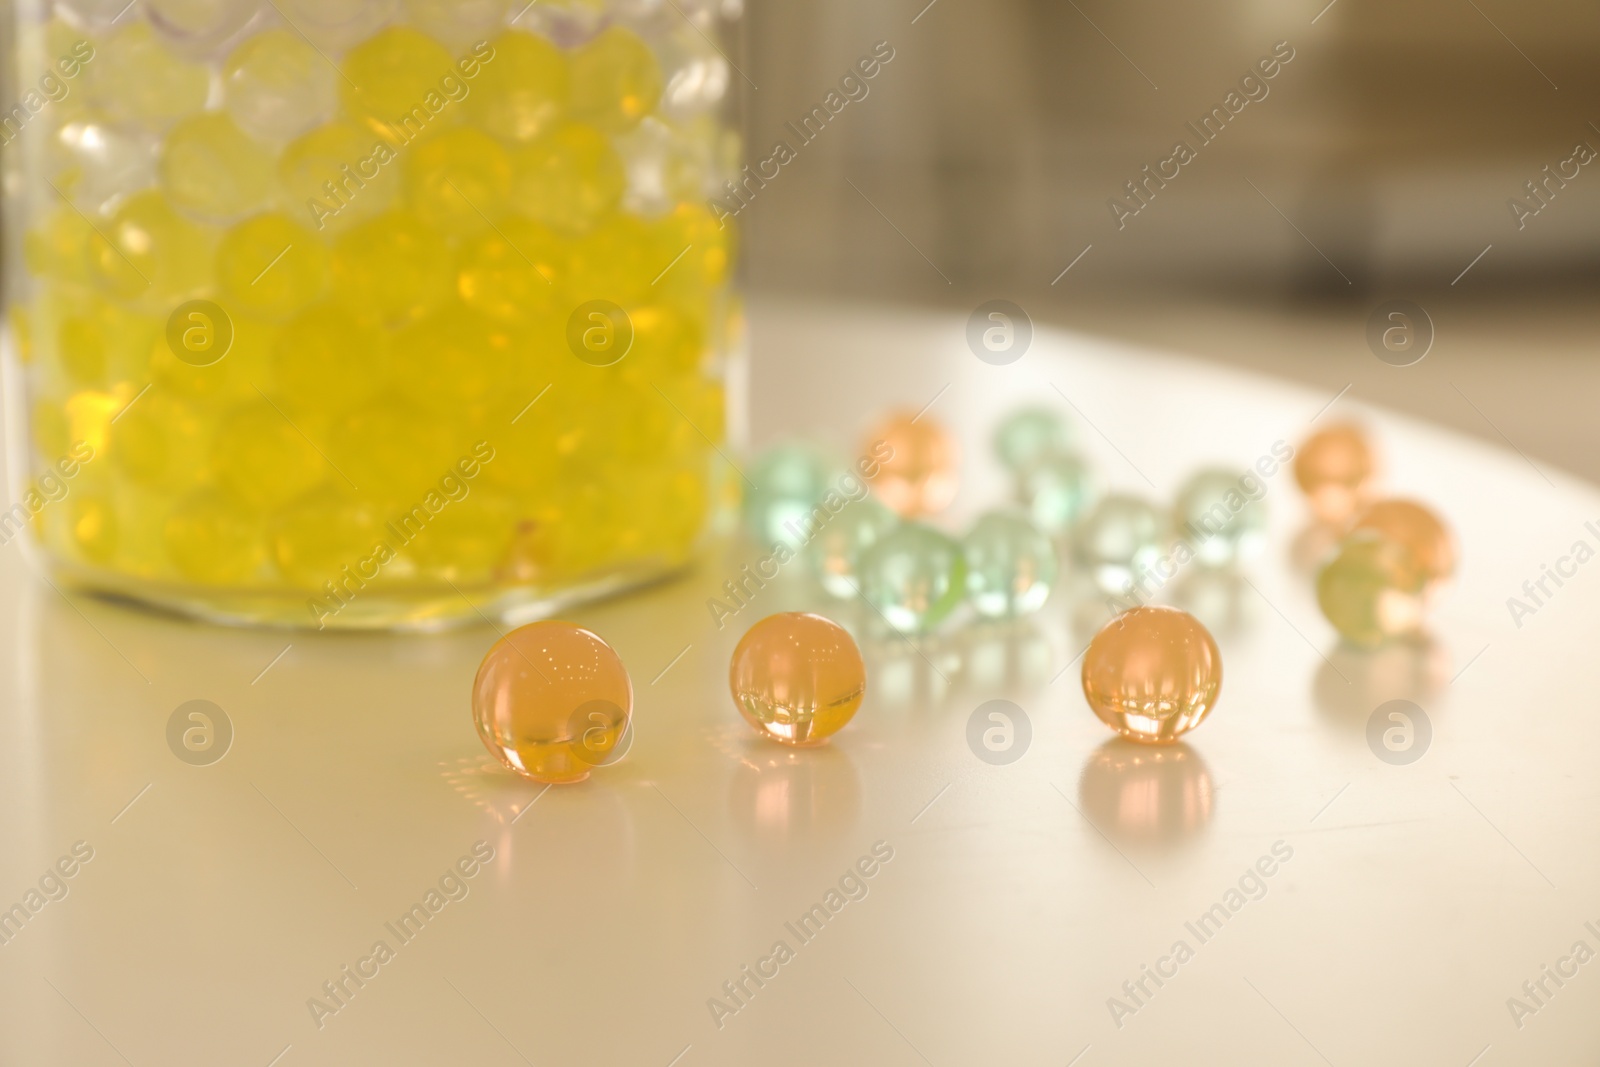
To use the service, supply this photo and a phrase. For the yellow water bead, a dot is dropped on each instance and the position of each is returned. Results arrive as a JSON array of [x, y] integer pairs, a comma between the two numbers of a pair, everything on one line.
[[616, 261], [665, 339], [616, 81], [512, 271], [392, 269], [160, 443], [211, 538], [148, 251], [89, 416], [459, 181], [271, 266], [262, 459], [337, 175], [329, 528], [212, 168], [460, 360], [92, 525], [707, 248], [523, 90], [325, 360], [137, 78], [393, 451], [468, 537], [569, 179], [59, 247], [394, 72], [92, 341]]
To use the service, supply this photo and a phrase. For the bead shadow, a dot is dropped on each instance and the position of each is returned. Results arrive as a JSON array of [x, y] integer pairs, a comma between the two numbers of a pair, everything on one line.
[[1354, 681], [786, 798]]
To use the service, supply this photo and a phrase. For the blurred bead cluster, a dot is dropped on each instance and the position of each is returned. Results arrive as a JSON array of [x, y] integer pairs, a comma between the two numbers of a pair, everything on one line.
[[870, 530], [396, 206], [1387, 559]]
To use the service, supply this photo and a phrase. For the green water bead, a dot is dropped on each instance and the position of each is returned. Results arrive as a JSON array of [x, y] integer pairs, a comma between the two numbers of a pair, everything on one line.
[[1372, 590], [1055, 488], [915, 577], [1011, 565], [1119, 540], [787, 483], [1029, 435], [1220, 520], [835, 552]]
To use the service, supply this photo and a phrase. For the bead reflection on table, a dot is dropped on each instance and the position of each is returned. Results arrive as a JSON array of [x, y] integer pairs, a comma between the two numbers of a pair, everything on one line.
[[784, 797], [1353, 681], [1005, 656], [1145, 795]]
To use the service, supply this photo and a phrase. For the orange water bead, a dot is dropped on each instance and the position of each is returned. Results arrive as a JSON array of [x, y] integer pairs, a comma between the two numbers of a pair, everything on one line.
[[920, 464], [797, 678], [1152, 674], [1336, 468], [551, 701], [1418, 530]]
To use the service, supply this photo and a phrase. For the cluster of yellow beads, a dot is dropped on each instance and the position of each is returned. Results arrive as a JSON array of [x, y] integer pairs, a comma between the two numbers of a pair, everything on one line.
[[396, 234]]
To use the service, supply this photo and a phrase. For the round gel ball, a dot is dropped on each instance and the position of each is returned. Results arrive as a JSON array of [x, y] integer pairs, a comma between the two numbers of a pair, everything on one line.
[[1011, 565], [915, 577], [1221, 522], [797, 678]]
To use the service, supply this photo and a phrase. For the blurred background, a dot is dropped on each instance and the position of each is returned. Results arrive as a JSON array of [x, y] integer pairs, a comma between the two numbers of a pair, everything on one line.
[[1381, 164]]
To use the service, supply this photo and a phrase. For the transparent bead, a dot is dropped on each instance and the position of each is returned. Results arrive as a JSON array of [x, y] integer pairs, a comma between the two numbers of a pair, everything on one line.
[[1373, 590], [1336, 469], [1418, 530], [836, 550], [458, 23], [1119, 539], [1219, 519], [1029, 435], [333, 25], [96, 14], [199, 26], [797, 678], [137, 77], [94, 160], [552, 701], [1055, 488], [276, 86], [569, 23], [921, 473], [1011, 565], [915, 576], [1152, 674], [213, 169], [789, 481], [695, 74], [663, 168]]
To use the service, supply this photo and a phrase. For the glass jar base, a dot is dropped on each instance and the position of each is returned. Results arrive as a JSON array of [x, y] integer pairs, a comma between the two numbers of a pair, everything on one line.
[[416, 609]]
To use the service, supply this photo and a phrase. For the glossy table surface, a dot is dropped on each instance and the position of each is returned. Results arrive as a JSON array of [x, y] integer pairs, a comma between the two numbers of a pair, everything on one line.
[[1405, 903]]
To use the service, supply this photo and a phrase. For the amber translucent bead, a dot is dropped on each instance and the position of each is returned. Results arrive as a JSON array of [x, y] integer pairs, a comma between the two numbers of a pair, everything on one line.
[[920, 464], [1418, 530], [1152, 674], [551, 701], [797, 678], [1336, 468]]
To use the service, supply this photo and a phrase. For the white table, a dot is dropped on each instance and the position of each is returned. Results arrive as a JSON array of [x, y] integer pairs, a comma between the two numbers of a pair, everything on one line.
[[1019, 898]]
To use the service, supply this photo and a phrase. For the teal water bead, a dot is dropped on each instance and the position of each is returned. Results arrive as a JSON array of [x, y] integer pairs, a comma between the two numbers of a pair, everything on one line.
[[1222, 516], [1119, 540], [836, 551], [1011, 565], [786, 485], [1028, 435], [915, 576], [1055, 488]]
